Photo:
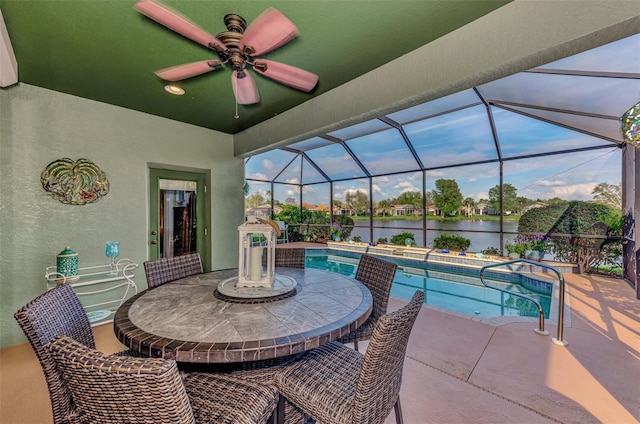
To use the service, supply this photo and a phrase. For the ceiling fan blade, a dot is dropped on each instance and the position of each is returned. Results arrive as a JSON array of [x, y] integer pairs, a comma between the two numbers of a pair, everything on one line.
[[286, 74], [268, 31], [244, 88], [180, 72], [178, 23]]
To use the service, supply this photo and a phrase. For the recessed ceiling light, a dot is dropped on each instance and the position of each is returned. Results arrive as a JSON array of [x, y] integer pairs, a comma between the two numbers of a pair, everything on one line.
[[174, 89]]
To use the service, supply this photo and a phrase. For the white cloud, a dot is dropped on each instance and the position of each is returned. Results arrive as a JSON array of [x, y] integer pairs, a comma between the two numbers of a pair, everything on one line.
[[547, 183], [480, 195], [574, 192], [436, 174], [267, 164], [257, 176]]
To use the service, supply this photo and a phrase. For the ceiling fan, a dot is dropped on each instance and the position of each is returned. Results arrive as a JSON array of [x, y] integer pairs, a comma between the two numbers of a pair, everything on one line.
[[240, 47]]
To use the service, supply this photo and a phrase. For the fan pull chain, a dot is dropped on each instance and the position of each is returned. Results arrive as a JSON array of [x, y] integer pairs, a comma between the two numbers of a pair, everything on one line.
[[236, 115]]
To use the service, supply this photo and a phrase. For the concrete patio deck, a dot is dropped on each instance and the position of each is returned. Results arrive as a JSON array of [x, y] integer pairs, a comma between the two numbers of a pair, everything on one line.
[[461, 369]]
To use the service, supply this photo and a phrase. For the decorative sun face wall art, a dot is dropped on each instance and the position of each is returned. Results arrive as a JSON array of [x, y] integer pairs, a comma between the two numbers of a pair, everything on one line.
[[75, 182]]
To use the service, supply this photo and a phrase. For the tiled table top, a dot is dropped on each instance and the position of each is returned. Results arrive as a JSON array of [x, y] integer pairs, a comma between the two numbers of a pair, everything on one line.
[[183, 320]]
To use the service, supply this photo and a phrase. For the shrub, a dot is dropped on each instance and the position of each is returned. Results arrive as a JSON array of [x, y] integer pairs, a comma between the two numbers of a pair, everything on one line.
[[399, 239], [576, 217], [357, 239], [451, 242], [382, 240], [491, 251]]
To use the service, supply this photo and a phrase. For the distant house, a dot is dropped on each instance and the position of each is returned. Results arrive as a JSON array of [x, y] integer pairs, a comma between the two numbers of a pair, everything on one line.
[[316, 208], [405, 210], [343, 209], [485, 209]]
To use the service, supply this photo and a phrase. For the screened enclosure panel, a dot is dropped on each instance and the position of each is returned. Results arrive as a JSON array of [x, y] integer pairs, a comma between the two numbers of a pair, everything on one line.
[[356, 189], [312, 143], [314, 195], [336, 162], [473, 181], [620, 56], [459, 137], [565, 92], [520, 135], [267, 166], [310, 174], [292, 173], [287, 194], [609, 128], [391, 186], [383, 152], [263, 189], [358, 130], [436, 107], [564, 176]]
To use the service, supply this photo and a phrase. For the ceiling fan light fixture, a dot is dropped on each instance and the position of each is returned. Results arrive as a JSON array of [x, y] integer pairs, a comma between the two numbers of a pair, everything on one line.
[[174, 89], [237, 47]]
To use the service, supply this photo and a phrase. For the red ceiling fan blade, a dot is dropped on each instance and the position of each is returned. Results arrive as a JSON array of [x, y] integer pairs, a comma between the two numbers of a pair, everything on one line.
[[268, 31], [173, 20], [244, 88], [180, 72], [286, 74]]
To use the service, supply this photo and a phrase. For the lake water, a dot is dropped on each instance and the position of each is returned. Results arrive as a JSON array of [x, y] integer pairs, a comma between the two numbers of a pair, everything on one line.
[[482, 234]]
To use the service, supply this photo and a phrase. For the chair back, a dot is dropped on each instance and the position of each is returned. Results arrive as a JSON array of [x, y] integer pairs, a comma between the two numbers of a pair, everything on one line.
[[57, 312], [292, 257], [380, 377], [160, 271], [115, 389], [284, 231], [377, 274]]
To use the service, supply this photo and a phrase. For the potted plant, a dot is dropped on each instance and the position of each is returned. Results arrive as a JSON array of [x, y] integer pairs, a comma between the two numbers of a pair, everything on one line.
[[536, 246], [336, 231], [516, 248]]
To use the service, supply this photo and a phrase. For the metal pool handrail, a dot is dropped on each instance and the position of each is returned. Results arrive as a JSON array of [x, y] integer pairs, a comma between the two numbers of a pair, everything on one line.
[[540, 330]]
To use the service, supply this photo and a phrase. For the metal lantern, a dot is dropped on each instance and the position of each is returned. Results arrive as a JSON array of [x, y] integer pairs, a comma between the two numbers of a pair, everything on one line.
[[256, 266]]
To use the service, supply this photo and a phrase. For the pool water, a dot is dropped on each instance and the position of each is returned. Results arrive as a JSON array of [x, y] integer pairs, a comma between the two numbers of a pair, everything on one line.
[[461, 292]]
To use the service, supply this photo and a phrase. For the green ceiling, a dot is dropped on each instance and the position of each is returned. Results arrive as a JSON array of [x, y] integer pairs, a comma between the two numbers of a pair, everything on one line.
[[106, 51]]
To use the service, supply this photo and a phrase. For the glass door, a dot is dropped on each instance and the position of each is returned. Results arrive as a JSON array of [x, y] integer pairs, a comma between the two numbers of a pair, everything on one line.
[[177, 214]]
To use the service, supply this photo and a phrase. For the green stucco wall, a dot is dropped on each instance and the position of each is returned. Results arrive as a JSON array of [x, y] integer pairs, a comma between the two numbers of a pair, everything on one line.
[[38, 126]]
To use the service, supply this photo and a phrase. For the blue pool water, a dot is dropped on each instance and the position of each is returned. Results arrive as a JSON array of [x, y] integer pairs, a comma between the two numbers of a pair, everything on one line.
[[461, 292]]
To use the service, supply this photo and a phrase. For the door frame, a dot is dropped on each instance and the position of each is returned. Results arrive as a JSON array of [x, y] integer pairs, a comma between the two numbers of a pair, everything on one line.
[[203, 209]]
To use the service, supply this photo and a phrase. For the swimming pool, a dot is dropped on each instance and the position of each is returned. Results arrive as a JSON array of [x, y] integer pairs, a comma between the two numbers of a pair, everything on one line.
[[459, 292]]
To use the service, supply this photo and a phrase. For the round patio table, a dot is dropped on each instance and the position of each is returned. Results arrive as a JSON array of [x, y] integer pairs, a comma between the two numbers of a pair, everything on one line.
[[185, 321]]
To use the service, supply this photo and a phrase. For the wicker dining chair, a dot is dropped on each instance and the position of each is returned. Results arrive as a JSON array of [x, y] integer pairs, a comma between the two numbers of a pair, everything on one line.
[[57, 312], [263, 373], [160, 271], [377, 274], [292, 257], [114, 389], [337, 385]]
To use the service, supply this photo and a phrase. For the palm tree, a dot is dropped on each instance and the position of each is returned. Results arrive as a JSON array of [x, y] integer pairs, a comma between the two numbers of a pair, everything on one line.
[[384, 206], [469, 204]]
